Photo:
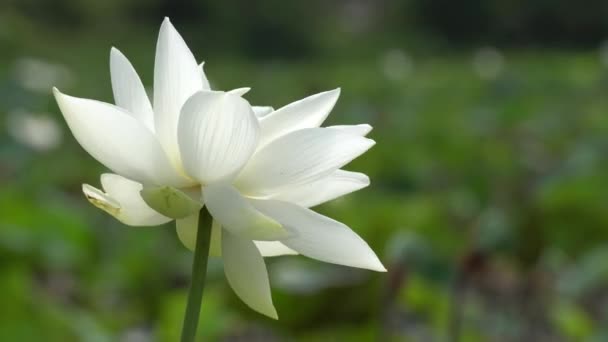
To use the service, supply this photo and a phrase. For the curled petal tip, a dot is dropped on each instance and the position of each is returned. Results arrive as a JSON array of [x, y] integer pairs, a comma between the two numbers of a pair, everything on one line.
[[367, 127], [60, 97], [114, 52], [101, 200], [166, 24], [379, 268], [335, 92], [365, 180], [239, 91], [374, 264], [57, 94]]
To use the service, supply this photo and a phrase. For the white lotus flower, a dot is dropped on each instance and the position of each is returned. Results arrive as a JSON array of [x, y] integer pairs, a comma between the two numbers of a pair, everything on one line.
[[257, 170]]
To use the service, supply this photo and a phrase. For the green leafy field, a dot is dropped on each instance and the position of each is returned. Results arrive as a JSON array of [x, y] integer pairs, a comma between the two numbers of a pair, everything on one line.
[[488, 205]]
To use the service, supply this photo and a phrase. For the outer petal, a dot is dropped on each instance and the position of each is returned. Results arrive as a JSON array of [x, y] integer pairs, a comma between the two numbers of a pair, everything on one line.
[[337, 184], [306, 113], [101, 200], [246, 273], [118, 140], [273, 248], [204, 79], [121, 200], [129, 92], [176, 77], [320, 237], [187, 229], [361, 130], [262, 111], [298, 158], [215, 249], [170, 201], [218, 133], [238, 216]]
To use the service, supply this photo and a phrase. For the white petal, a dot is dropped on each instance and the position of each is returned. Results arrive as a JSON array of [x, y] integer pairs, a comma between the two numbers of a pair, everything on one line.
[[273, 248], [247, 274], [319, 237], [118, 141], [306, 113], [215, 249], [101, 200], [218, 133], [361, 130], [187, 229], [176, 77], [237, 215], [121, 200], [262, 111], [204, 79], [337, 184], [170, 201], [240, 91], [298, 158], [129, 92]]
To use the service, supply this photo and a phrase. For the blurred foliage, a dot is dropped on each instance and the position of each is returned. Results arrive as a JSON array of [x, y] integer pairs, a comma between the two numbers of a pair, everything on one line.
[[489, 195]]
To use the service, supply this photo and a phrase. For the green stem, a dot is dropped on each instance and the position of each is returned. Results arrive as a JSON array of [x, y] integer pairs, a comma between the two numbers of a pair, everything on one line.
[[199, 273]]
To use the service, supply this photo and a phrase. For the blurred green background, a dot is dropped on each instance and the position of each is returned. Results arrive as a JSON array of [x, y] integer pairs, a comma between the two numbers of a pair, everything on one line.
[[489, 195]]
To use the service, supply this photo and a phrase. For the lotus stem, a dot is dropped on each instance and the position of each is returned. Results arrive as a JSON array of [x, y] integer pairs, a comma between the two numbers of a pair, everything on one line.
[[199, 273]]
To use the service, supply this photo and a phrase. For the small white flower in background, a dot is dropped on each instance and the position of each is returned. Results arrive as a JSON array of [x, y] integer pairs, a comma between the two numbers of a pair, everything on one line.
[[603, 53], [36, 131], [488, 63], [39, 75], [257, 170], [396, 64]]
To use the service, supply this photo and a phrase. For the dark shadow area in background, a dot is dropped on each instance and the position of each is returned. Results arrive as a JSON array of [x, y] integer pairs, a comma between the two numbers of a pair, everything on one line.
[[301, 29]]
